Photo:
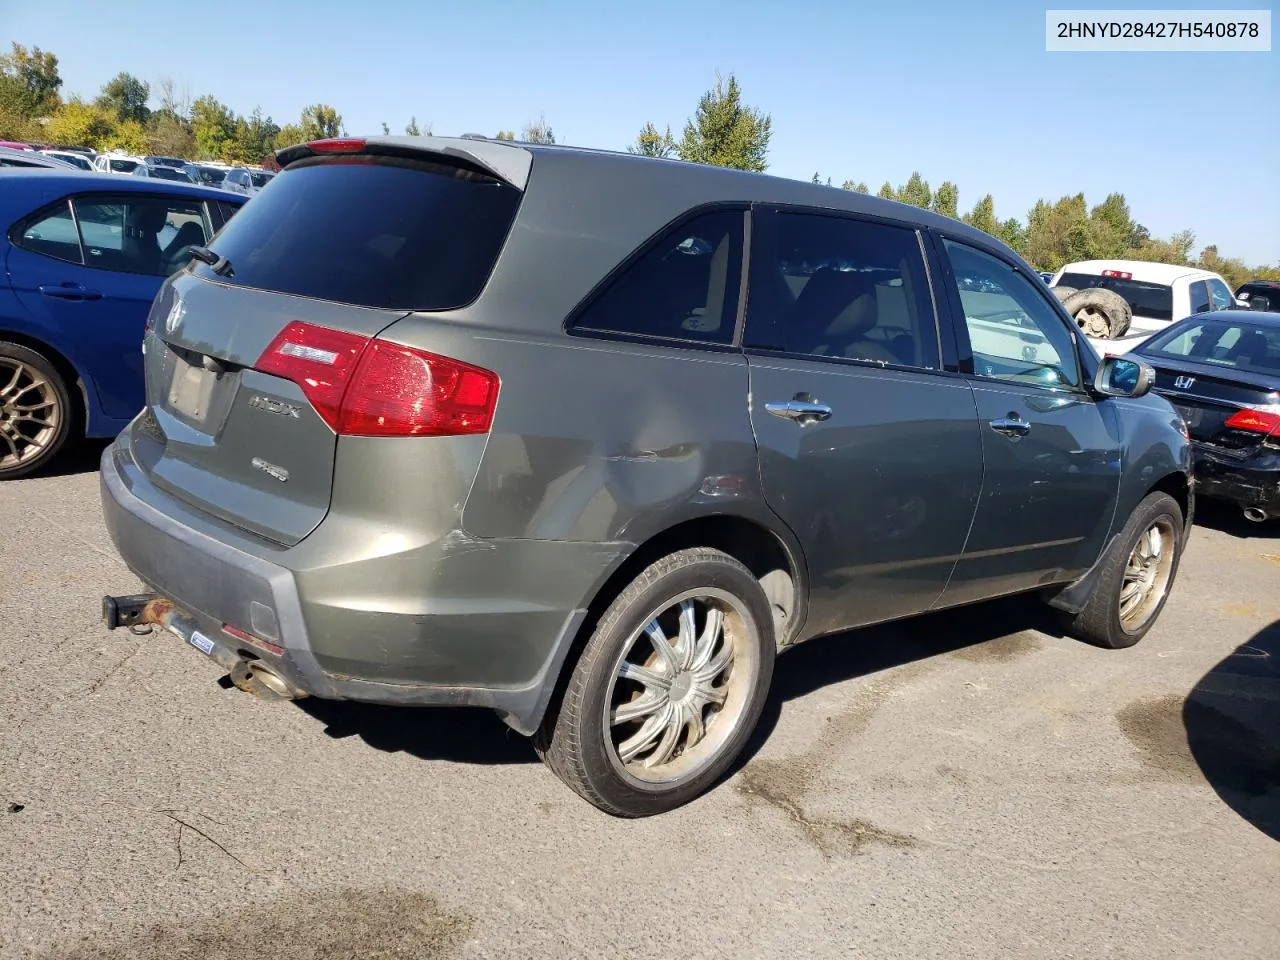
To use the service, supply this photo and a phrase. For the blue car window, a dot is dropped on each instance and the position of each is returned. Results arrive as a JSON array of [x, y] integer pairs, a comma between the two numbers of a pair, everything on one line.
[[52, 234], [141, 234]]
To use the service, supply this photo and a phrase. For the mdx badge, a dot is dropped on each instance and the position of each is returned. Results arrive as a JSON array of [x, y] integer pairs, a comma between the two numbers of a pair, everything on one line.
[[1184, 383], [270, 469], [275, 406]]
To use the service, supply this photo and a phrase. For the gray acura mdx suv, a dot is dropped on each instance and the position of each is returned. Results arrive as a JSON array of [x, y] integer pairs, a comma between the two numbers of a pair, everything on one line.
[[585, 438]]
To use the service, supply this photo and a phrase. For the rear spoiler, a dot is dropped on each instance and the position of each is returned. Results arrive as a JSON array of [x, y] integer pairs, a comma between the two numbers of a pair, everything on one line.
[[508, 163]]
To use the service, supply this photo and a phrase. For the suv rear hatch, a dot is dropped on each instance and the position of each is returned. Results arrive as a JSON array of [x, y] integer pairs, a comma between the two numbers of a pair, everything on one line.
[[254, 360]]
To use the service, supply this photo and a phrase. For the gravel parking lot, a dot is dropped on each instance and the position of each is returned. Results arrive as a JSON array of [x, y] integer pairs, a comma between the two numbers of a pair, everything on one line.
[[969, 785]]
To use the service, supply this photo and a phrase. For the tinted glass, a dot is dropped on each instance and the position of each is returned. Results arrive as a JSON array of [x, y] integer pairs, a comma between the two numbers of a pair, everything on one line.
[[1014, 332], [260, 177], [1151, 300], [140, 234], [1244, 346], [401, 235], [1219, 295], [834, 287], [684, 287], [168, 173], [53, 234], [123, 166], [210, 176], [1199, 293]]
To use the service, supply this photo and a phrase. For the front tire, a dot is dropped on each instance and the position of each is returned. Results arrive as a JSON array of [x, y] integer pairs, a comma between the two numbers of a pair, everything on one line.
[[668, 688], [35, 411], [1136, 576]]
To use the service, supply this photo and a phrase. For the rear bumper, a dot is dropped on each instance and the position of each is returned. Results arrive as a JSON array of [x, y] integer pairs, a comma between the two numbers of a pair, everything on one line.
[[1254, 482], [503, 651]]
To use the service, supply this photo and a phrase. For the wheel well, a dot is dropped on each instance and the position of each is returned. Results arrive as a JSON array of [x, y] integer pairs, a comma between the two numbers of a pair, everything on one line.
[[76, 386], [1175, 485], [753, 545]]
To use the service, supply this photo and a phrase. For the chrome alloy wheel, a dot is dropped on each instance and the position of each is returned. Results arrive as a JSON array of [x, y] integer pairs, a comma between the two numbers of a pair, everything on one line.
[[680, 687], [1146, 575], [30, 413]]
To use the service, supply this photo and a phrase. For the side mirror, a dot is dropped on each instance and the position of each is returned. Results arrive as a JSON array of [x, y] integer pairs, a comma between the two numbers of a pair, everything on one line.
[[1123, 377]]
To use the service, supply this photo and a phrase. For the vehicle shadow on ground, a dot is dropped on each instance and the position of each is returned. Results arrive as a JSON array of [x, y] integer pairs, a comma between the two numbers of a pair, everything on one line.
[[1229, 519], [994, 631], [82, 457], [1232, 721], [479, 737]]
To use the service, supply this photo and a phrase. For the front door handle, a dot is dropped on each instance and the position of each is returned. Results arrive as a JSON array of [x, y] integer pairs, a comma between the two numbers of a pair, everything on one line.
[[802, 411], [1011, 426], [69, 291]]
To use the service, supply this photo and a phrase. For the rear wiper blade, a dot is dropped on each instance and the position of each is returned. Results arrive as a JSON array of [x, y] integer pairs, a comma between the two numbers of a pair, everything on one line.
[[220, 264]]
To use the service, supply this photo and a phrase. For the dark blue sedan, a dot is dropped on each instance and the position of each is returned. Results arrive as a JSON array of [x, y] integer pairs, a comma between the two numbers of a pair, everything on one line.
[[85, 257], [1222, 372]]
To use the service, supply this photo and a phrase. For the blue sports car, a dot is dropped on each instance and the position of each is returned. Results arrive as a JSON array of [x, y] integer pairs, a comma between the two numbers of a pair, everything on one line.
[[85, 257]]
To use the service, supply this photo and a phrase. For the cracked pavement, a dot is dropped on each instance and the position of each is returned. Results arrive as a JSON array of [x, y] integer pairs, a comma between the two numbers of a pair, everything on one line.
[[967, 785]]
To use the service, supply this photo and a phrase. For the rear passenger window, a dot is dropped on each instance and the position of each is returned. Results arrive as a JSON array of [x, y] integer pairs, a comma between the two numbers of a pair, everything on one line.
[[140, 233], [842, 288], [1199, 297], [684, 287], [53, 234]]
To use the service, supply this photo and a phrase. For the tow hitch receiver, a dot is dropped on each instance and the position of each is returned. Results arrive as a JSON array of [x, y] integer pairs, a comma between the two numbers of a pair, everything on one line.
[[128, 611]]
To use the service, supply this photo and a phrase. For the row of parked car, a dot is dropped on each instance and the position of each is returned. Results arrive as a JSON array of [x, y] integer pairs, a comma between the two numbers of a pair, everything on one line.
[[236, 179], [588, 438]]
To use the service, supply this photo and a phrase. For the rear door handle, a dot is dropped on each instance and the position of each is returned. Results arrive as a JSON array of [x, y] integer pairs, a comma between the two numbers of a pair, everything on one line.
[[69, 291], [1011, 426], [802, 411]]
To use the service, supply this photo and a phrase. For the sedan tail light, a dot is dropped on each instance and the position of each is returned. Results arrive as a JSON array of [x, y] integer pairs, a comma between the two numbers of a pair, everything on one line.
[[375, 388], [1255, 420]]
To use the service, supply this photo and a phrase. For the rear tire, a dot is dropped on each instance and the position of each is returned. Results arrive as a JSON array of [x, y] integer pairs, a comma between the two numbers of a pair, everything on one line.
[[1135, 580], [35, 411], [642, 729], [1099, 313]]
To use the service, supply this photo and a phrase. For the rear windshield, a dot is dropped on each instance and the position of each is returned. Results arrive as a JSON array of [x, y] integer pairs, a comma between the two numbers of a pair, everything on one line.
[[168, 173], [124, 166], [391, 234], [1242, 346], [1152, 300], [260, 177], [210, 174]]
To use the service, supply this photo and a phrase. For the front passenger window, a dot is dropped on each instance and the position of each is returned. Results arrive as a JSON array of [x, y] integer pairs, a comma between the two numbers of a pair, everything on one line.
[[1222, 299], [1014, 333]]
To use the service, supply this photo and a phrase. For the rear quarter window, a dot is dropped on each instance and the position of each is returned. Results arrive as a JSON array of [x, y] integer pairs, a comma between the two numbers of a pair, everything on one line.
[[382, 233]]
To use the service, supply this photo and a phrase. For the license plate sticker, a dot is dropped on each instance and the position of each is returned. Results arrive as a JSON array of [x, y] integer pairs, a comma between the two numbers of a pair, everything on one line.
[[201, 642], [191, 391]]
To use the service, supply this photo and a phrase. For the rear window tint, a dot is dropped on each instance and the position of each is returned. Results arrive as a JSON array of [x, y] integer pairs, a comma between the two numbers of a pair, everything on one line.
[[393, 234], [1244, 346], [1152, 300]]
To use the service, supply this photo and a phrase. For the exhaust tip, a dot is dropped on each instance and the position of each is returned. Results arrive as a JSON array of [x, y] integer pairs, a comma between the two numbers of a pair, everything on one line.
[[272, 681], [1255, 514]]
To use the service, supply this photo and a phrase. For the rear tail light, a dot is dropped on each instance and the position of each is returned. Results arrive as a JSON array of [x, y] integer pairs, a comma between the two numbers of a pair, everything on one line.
[[1255, 420], [375, 388], [1118, 274]]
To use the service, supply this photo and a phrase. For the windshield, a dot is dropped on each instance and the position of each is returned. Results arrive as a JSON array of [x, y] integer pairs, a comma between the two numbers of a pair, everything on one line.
[[1241, 346], [168, 173], [394, 234], [124, 166], [1151, 300], [210, 175]]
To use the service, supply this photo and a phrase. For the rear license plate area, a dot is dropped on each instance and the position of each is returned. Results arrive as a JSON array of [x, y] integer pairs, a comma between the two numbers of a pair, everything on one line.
[[1192, 415], [191, 391]]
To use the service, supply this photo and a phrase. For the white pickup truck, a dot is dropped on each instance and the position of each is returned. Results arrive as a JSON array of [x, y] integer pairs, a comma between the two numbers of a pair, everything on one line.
[[1158, 294]]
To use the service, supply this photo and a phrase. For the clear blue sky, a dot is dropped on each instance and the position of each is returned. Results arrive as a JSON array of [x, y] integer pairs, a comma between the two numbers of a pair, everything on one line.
[[868, 91]]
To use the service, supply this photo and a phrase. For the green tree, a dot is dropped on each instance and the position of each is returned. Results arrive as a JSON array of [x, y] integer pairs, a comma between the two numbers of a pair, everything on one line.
[[855, 187], [983, 216], [30, 79], [170, 136], [946, 200], [916, 192], [386, 130], [126, 96], [505, 135], [1013, 233], [254, 138], [650, 143], [128, 136], [413, 130], [886, 192], [320, 122], [214, 127], [79, 124], [538, 131], [725, 133]]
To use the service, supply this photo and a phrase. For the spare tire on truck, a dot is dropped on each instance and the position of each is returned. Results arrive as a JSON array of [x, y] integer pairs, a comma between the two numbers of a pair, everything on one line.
[[1062, 292], [1100, 313]]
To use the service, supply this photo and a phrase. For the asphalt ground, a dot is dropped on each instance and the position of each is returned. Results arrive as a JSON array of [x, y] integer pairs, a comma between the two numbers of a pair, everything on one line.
[[972, 784]]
